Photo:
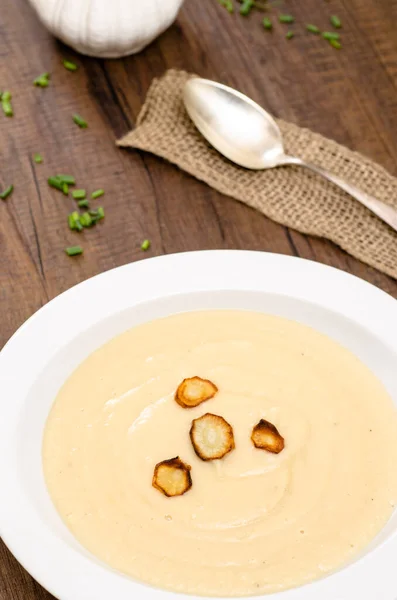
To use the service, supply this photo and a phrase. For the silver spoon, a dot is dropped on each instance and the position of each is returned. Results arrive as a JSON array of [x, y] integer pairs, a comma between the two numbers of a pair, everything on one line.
[[247, 135]]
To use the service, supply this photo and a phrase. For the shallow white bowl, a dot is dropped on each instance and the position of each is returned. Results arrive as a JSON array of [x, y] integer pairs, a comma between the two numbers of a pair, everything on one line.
[[48, 347]]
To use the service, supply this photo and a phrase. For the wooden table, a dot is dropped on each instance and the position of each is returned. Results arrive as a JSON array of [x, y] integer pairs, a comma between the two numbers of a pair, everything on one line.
[[349, 95]]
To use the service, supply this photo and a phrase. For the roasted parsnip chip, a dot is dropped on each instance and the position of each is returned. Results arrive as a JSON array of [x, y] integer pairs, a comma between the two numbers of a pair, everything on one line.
[[193, 391], [172, 477], [266, 437], [212, 437]]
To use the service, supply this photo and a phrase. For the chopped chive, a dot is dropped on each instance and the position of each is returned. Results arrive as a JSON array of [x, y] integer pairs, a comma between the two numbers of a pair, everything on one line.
[[246, 7], [313, 29], [74, 221], [228, 4], [80, 121], [79, 194], [37, 158], [97, 194], [74, 250], [290, 35], [55, 182], [82, 203], [336, 22], [42, 80], [77, 222], [6, 104], [7, 108], [145, 245], [7, 192], [330, 35], [97, 214], [286, 19], [61, 182], [267, 24], [69, 179], [86, 219], [69, 65], [335, 44]]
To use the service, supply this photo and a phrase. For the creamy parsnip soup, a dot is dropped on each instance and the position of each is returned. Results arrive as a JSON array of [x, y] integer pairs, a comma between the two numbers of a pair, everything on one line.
[[223, 453]]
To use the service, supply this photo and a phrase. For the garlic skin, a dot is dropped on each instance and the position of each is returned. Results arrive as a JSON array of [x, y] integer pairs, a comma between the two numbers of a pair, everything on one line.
[[107, 29]]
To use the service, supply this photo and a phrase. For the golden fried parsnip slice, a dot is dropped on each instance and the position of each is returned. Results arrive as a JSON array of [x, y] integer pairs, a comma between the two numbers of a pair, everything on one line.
[[193, 391], [212, 437], [267, 437], [172, 477]]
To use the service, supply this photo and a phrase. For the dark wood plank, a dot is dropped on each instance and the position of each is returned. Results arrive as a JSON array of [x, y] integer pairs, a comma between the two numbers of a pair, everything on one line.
[[348, 95]]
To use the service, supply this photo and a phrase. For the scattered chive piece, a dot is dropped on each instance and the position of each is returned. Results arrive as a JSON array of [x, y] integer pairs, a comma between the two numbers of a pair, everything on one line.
[[69, 65], [55, 182], [82, 203], [80, 121], [6, 104], [61, 182], [313, 29], [42, 80], [86, 219], [290, 35], [97, 194], [335, 44], [286, 19], [74, 221], [79, 194], [7, 192], [74, 250], [37, 158], [336, 22], [7, 109], [69, 179], [330, 35], [246, 7], [145, 245], [97, 214], [228, 4], [267, 24]]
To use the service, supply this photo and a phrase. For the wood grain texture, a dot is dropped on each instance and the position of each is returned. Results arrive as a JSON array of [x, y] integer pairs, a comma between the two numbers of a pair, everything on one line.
[[348, 95]]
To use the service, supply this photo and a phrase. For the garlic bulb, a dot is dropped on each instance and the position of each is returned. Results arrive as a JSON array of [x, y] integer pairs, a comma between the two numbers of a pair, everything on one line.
[[107, 28]]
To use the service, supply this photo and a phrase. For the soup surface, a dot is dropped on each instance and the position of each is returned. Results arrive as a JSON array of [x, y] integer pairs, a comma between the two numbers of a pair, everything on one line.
[[253, 522]]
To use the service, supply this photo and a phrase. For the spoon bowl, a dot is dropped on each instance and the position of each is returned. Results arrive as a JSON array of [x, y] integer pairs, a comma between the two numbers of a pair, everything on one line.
[[247, 135], [234, 124]]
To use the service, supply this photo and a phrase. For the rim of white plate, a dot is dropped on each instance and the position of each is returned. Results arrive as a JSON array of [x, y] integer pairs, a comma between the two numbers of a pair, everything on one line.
[[63, 571]]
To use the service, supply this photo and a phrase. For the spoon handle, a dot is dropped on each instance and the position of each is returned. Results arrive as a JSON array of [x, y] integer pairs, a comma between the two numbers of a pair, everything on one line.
[[385, 212]]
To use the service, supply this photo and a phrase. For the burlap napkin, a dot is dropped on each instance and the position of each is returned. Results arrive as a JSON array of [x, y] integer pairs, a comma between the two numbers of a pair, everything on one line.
[[292, 196]]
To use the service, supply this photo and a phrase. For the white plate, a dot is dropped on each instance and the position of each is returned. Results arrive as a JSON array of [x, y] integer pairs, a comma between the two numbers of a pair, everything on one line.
[[46, 349]]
